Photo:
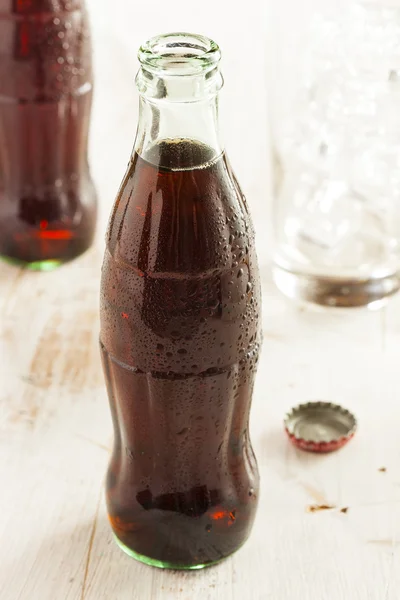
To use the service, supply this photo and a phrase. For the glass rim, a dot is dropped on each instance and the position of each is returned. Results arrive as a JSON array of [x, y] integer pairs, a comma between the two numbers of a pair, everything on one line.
[[179, 54]]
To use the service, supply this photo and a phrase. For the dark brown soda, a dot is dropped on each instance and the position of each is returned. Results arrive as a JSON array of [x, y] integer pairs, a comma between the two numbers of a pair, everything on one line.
[[180, 336]]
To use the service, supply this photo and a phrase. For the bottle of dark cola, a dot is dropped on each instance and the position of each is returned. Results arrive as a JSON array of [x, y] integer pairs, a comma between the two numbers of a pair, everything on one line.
[[47, 197], [180, 323]]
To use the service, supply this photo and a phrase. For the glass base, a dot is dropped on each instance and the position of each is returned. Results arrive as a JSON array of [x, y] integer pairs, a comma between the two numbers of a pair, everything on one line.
[[152, 562], [337, 292], [38, 265]]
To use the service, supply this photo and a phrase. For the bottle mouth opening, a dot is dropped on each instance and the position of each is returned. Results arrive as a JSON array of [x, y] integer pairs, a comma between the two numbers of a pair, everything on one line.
[[179, 54]]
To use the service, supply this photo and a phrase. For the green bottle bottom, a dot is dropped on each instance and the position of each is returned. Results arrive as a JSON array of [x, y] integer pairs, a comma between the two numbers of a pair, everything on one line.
[[161, 564], [38, 265]]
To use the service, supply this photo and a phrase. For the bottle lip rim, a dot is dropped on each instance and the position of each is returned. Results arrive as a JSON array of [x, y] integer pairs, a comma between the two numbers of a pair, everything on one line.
[[179, 54]]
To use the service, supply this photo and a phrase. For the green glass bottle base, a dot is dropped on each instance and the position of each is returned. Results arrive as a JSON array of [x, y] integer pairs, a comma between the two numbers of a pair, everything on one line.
[[39, 265], [160, 564]]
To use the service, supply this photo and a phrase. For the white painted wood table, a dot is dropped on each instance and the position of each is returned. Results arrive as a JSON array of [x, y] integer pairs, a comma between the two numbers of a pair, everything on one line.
[[55, 436], [55, 428]]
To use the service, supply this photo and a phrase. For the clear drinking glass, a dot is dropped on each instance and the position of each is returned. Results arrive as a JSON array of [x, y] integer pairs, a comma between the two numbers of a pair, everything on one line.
[[335, 122]]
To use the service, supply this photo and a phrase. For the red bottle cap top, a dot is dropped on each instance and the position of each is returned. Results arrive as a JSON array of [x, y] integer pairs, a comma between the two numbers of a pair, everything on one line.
[[320, 426]]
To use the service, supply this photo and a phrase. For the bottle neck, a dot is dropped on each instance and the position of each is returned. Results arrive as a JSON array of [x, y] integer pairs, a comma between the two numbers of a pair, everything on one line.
[[166, 121], [178, 82]]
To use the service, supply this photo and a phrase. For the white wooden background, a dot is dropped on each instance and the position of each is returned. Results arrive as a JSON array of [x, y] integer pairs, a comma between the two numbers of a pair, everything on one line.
[[55, 429]]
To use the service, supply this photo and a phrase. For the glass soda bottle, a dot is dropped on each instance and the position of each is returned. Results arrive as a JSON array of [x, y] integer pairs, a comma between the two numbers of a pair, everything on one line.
[[180, 323], [47, 197]]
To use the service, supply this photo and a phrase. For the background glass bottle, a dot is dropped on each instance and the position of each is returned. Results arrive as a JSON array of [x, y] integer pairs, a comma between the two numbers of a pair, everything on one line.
[[180, 323], [47, 197]]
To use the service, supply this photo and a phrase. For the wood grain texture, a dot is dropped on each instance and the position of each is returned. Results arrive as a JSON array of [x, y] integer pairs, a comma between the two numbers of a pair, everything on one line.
[[55, 429], [55, 436]]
